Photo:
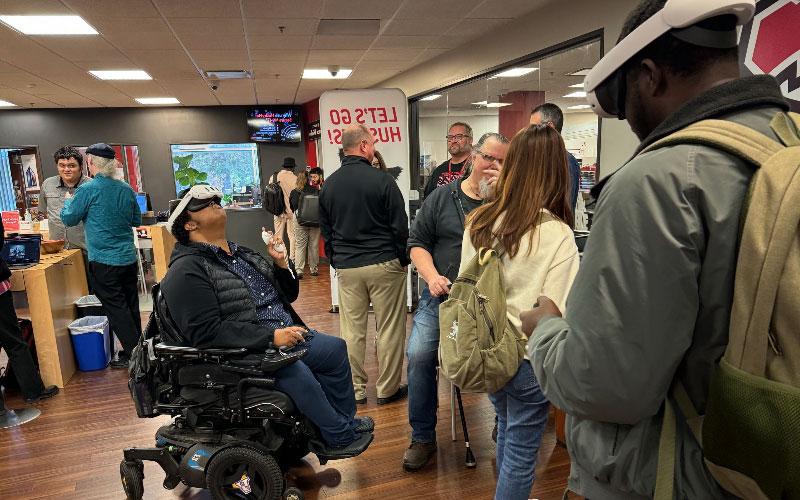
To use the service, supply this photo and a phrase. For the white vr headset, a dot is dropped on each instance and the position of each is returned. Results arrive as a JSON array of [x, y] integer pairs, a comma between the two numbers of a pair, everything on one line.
[[198, 197], [605, 85]]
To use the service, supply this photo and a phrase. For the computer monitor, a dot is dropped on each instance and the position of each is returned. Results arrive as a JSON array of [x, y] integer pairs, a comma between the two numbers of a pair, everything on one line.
[[143, 199], [22, 251]]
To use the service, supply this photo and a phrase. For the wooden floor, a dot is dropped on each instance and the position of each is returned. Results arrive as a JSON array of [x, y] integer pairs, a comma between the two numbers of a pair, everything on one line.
[[73, 450]]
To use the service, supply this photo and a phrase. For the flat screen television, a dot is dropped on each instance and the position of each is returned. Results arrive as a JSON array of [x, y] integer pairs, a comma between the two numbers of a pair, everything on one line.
[[143, 199], [231, 168], [274, 124]]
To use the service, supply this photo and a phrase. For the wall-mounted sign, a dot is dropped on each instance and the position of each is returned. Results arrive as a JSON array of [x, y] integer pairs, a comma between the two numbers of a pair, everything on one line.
[[314, 131]]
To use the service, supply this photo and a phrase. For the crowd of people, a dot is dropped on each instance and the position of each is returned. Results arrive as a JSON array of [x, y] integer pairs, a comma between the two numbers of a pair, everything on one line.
[[608, 333]]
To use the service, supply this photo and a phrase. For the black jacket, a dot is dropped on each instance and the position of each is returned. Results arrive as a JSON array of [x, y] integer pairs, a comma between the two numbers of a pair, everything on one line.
[[439, 227], [5, 272], [362, 216], [212, 306]]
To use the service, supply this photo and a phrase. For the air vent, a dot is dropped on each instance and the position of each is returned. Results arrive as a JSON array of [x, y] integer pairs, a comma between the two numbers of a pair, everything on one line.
[[228, 74], [349, 27]]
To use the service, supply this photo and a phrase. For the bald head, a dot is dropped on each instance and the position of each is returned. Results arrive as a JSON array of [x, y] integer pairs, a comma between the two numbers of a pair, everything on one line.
[[357, 140]]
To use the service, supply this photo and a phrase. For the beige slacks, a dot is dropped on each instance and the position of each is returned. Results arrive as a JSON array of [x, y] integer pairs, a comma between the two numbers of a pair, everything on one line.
[[306, 239], [384, 285], [288, 223]]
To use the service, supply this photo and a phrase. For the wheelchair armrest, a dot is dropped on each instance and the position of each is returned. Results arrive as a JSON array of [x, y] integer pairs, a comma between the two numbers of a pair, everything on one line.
[[275, 359], [177, 349]]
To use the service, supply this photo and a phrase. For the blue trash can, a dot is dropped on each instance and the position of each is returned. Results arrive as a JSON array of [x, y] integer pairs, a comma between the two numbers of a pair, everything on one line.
[[90, 342]]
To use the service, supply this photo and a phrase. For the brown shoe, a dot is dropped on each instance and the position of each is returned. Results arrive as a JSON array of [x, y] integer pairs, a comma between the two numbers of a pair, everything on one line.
[[418, 455]]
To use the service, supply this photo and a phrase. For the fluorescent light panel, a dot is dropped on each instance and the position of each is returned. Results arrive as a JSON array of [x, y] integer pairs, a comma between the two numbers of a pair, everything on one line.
[[576, 86], [492, 104], [580, 106], [6, 104], [580, 72], [125, 74], [157, 100], [431, 97], [576, 94], [49, 25], [515, 72], [324, 74]]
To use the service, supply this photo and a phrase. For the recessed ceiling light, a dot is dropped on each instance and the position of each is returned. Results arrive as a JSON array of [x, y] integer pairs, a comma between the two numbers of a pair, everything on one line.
[[229, 74], [576, 86], [6, 104], [580, 72], [579, 106], [49, 25], [157, 100], [431, 97], [515, 72], [576, 94], [492, 104], [324, 74], [125, 74]]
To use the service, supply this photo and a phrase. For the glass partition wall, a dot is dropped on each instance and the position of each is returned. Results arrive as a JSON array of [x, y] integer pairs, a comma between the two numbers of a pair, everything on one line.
[[502, 101]]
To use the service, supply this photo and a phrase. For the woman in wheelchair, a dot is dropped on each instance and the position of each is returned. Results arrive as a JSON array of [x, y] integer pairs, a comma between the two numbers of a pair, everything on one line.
[[223, 295]]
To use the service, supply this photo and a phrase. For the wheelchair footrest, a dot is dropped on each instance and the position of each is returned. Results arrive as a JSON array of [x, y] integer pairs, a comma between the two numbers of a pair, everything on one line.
[[357, 447]]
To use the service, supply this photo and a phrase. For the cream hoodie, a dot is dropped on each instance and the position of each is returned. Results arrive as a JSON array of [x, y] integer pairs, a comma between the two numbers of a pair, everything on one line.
[[544, 265]]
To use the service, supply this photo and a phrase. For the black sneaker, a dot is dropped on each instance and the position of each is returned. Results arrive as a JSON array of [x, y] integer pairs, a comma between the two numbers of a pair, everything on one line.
[[401, 393], [365, 424], [48, 392], [314, 273], [120, 363], [361, 401], [418, 455]]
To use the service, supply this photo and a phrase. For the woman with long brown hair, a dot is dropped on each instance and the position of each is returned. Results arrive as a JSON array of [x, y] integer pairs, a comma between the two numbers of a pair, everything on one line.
[[306, 236], [529, 224]]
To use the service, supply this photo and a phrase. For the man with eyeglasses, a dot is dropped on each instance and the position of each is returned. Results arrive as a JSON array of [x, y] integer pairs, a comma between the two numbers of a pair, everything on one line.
[[365, 226], [61, 187], [459, 145], [435, 247]]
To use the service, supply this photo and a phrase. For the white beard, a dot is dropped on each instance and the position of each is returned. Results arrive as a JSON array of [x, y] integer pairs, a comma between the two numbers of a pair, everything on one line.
[[485, 190]]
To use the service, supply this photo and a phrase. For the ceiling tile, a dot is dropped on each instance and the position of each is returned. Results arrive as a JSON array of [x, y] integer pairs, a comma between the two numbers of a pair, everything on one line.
[[450, 41], [276, 97], [278, 55], [130, 40], [360, 9], [235, 56], [156, 62], [264, 26], [236, 92], [383, 66], [392, 54], [87, 49], [429, 54], [35, 7], [213, 41], [289, 9], [207, 26], [292, 69], [440, 9], [139, 88], [340, 57], [404, 42], [477, 27], [268, 42], [216, 9], [303, 96], [92, 10], [506, 8], [408, 27], [268, 85], [342, 42]]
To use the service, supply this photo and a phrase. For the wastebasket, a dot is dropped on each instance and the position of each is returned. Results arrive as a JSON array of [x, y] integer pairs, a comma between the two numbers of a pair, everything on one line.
[[89, 305], [90, 342]]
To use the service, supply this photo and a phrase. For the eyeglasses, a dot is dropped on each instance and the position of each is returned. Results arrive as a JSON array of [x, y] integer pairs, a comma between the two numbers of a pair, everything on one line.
[[456, 137], [490, 158]]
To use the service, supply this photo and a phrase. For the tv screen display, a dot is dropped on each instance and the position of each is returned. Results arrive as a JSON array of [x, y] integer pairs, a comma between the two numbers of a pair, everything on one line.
[[143, 199], [275, 124], [231, 168]]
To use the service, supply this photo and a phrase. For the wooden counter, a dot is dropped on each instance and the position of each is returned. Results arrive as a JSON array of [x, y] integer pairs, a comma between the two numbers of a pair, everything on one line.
[[52, 287], [163, 243]]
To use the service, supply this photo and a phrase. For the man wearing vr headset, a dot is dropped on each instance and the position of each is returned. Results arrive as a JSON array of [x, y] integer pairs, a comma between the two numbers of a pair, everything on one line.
[[652, 300], [224, 295]]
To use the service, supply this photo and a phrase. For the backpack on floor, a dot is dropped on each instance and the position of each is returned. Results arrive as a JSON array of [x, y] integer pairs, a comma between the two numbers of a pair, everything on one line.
[[480, 349], [751, 427], [307, 213], [273, 199]]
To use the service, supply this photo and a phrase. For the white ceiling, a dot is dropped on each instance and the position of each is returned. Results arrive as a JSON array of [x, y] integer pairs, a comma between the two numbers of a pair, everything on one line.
[[176, 40]]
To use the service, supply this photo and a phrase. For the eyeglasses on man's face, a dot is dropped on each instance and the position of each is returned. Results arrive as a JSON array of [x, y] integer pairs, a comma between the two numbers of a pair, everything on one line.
[[456, 137], [489, 158]]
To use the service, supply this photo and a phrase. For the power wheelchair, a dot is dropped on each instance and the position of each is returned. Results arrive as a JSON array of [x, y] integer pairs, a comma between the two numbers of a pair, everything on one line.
[[232, 432]]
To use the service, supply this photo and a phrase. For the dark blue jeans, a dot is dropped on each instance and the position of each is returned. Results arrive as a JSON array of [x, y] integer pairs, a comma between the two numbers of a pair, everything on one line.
[[521, 417], [422, 354], [322, 388]]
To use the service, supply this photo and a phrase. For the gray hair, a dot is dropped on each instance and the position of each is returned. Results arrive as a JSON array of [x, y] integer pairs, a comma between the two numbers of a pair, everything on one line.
[[353, 135], [477, 147], [106, 167]]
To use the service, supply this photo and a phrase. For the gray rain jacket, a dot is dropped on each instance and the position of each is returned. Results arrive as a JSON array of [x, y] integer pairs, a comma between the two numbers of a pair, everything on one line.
[[652, 302]]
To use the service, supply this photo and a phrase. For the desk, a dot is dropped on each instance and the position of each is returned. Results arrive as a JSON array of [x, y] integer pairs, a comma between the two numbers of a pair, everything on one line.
[[52, 287], [163, 242]]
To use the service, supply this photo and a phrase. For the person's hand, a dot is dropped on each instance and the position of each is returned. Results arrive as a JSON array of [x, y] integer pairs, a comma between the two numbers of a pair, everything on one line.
[[492, 175], [289, 336], [543, 307], [277, 250], [439, 286]]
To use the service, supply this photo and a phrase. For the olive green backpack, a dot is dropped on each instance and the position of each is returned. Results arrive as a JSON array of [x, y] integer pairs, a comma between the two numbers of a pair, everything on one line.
[[750, 432], [479, 349]]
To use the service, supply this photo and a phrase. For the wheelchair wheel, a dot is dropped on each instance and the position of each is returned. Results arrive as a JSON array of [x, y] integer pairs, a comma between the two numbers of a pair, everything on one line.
[[240, 472], [132, 475]]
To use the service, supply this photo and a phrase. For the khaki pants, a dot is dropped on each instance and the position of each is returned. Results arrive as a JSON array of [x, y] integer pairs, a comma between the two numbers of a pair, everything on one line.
[[306, 239], [288, 223], [384, 285]]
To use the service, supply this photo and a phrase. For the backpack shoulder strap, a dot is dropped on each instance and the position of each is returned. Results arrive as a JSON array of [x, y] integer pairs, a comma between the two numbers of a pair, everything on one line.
[[731, 137]]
